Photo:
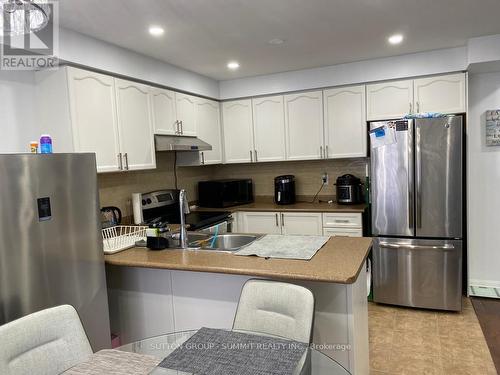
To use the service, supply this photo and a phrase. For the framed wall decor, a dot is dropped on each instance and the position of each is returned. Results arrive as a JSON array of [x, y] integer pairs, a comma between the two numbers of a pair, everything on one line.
[[493, 127]]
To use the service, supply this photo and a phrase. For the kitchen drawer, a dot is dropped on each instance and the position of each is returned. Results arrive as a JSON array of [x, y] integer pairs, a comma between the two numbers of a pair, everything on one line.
[[342, 232], [342, 220]]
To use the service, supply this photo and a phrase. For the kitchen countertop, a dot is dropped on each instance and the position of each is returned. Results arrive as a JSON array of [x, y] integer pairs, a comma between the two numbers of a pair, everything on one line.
[[267, 204], [340, 260]]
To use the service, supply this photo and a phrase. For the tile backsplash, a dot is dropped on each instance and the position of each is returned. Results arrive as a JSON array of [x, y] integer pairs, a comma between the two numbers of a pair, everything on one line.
[[115, 189]]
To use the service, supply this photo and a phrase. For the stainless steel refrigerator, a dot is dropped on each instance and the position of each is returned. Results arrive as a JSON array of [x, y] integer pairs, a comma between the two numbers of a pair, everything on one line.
[[416, 186], [50, 239]]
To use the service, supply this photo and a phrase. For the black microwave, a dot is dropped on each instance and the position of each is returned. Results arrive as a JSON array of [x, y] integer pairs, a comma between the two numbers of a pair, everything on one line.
[[225, 193]]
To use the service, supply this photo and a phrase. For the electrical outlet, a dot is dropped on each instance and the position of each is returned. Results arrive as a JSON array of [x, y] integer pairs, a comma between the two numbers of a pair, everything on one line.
[[325, 179]]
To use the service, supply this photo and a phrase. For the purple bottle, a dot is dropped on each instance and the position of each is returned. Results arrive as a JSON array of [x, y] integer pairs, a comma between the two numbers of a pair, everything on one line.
[[45, 144]]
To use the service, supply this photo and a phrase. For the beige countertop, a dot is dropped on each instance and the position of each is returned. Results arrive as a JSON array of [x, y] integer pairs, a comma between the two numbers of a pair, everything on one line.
[[267, 204], [340, 260]]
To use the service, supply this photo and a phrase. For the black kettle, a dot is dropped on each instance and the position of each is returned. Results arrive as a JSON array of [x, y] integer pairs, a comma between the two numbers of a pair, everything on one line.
[[110, 216]]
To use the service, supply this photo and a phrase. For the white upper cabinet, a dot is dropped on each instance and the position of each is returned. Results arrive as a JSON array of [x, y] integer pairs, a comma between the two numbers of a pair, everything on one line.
[[93, 116], [304, 125], [445, 94], [186, 113], [208, 127], [389, 100], [345, 122], [269, 128], [135, 125], [238, 131], [163, 111]]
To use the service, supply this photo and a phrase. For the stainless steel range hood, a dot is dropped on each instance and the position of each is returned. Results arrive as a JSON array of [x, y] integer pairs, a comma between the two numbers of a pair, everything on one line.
[[180, 143]]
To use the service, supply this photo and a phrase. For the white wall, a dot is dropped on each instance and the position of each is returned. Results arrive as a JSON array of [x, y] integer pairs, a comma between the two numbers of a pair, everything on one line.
[[17, 118], [483, 184], [81, 49], [417, 64]]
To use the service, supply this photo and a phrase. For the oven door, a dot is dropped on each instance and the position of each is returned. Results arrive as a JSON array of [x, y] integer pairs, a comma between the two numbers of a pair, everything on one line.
[[418, 273]]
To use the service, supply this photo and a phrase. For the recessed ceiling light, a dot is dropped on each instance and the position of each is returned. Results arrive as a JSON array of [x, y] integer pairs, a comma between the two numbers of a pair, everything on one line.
[[156, 30], [276, 41], [233, 65], [395, 39]]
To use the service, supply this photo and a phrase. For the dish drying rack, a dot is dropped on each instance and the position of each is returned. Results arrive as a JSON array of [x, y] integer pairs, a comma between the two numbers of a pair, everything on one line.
[[121, 237]]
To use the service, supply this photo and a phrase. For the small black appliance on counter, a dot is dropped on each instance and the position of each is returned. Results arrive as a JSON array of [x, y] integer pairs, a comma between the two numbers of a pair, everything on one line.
[[225, 193], [349, 189], [284, 189]]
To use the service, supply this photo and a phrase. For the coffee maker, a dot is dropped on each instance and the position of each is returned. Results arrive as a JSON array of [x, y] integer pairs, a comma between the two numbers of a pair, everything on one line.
[[284, 189]]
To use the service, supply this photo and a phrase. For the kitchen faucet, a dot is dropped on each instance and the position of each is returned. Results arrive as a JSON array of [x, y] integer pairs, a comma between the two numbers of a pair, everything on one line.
[[184, 209]]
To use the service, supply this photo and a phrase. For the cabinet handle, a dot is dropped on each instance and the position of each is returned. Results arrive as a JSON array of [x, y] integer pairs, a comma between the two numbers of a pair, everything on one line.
[[176, 126], [256, 159], [418, 107], [341, 221], [120, 162], [125, 155], [277, 220], [410, 109], [182, 127], [251, 157], [282, 220], [326, 152], [321, 152], [202, 157]]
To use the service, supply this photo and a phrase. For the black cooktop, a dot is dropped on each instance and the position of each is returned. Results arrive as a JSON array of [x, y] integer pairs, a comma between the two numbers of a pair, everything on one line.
[[197, 220]]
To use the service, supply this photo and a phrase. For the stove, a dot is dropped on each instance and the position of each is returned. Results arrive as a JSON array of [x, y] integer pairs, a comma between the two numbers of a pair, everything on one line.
[[163, 205]]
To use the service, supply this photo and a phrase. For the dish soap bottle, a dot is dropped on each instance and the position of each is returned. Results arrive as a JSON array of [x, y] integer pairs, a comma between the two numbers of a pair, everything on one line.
[[45, 144]]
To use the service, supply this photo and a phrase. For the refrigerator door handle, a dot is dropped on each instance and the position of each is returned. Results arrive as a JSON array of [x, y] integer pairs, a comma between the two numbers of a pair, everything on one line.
[[411, 192], [418, 177], [408, 246]]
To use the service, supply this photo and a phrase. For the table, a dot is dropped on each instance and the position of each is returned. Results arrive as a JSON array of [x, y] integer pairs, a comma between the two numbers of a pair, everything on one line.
[[315, 362]]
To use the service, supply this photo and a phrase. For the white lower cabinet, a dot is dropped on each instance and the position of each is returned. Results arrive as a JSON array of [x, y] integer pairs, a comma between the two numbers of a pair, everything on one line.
[[302, 223], [259, 222], [342, 232], [343, 224]]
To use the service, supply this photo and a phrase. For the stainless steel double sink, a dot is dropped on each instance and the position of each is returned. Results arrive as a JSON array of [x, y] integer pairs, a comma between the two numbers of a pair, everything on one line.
[[229, 242]]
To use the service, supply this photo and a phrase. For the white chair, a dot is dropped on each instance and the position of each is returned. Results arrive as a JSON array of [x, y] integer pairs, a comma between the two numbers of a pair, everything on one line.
[[46, 342], [277, 309]]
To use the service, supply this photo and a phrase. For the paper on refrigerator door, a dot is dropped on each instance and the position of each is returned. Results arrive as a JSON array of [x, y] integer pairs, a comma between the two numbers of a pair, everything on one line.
[[382, 136]]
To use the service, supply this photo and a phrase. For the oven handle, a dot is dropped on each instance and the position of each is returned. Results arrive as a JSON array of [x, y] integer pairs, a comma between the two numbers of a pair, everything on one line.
[[414, 247]]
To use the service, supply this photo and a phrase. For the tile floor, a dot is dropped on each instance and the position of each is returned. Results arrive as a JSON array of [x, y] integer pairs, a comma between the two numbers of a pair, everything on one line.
[[412, 341]]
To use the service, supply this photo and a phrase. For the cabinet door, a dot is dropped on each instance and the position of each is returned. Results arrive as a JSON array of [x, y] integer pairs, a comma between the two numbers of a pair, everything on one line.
[[303, 223], [164, 116], [345, 122], [445, 94], [269, 128], [260, 222], [389, 100], [186, 113], [208, 127], [93, 117], [342, 232], [238, 131], [135, 125], [304, 125]]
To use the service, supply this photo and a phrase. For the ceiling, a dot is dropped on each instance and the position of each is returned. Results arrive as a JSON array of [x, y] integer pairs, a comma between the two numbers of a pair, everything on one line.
[[203, 35]]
